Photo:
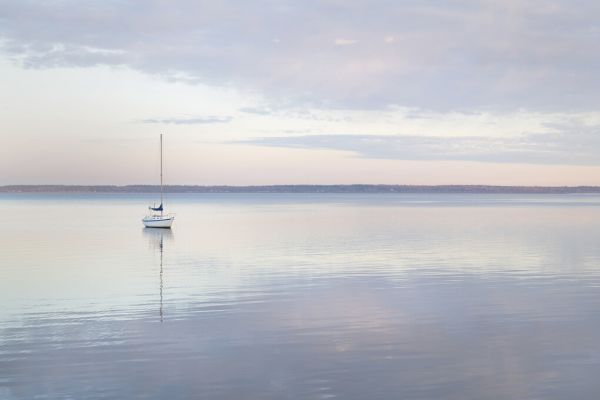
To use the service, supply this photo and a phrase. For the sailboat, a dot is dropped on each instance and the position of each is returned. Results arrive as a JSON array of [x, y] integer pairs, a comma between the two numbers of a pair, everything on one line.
[[157, 217]]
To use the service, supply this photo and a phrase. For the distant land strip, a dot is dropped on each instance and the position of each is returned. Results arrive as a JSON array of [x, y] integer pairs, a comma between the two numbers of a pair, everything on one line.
[[358, 188]]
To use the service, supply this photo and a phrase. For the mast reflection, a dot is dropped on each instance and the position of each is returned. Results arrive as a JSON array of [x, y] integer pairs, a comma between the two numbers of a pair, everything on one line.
[[157, 240]]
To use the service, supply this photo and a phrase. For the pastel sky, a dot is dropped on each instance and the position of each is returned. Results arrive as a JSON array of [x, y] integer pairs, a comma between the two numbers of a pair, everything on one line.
[[272, 92]]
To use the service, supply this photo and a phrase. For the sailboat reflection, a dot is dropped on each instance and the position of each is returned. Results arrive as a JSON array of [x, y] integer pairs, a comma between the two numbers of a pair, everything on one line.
[[157, 240]]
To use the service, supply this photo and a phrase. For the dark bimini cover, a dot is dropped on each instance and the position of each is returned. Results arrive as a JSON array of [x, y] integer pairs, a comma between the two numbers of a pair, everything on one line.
[[159, 208]]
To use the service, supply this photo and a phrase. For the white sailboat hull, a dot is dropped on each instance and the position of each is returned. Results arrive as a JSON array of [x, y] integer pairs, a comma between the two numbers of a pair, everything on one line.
[[158, 221]]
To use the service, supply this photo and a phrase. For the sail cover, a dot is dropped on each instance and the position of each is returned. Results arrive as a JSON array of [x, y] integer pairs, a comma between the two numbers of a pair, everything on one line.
[[159, 208]]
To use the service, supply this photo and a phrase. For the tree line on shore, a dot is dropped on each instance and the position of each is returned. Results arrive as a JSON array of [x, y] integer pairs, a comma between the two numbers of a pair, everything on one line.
[[357, 188]]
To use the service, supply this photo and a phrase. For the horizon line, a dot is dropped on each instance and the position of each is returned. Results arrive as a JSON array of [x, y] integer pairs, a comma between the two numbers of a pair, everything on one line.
[[304, 188]]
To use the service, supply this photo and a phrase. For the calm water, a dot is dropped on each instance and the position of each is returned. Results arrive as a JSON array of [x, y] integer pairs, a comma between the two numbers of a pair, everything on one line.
[[301, 297]]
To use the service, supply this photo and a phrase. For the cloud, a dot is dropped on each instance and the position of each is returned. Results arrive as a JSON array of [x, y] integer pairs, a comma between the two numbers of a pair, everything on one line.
[[189, 121], [567, 144], [445, 56], [343, 42], [256, 110]]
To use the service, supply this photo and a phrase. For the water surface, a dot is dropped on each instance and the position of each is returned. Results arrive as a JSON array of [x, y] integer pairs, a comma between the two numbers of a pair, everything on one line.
[[304, 296]]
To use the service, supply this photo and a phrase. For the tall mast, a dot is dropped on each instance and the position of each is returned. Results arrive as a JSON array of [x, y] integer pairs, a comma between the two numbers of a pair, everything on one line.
[[161, 177]]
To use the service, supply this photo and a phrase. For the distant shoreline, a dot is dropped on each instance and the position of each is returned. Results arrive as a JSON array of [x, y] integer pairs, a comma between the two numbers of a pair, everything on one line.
[[357, 188]]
